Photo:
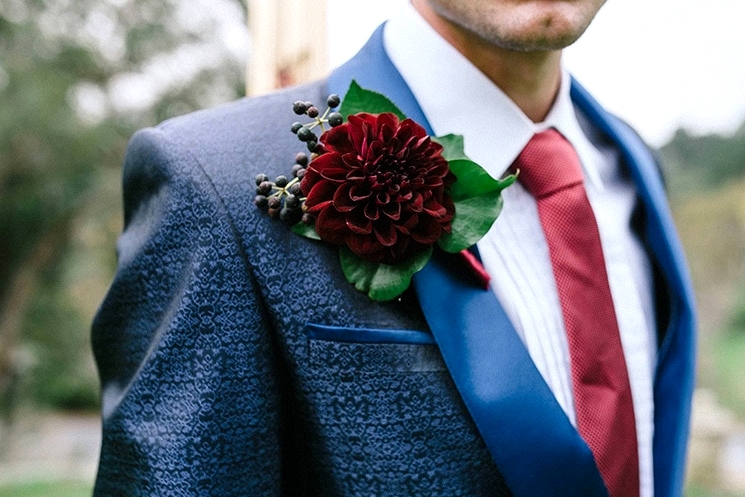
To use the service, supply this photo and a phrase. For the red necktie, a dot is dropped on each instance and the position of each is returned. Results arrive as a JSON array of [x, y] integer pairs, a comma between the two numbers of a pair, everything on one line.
[[550, 170]]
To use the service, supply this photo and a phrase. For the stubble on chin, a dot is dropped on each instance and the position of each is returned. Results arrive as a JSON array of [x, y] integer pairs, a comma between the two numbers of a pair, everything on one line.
[[528, 27]]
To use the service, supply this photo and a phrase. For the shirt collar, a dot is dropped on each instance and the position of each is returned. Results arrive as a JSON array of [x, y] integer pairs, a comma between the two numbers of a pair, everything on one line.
[[458, 98]]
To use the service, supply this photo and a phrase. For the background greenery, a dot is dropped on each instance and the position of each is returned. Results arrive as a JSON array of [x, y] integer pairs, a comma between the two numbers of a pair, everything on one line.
[[77, 78], [73, 78]]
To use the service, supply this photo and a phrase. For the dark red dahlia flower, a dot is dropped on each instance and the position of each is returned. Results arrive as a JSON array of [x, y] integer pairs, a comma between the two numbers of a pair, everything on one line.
[[380, 187]]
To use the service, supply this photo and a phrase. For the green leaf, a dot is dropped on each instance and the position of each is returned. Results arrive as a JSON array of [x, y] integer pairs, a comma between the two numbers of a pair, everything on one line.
[[478, 201], [472, 180], [381, 282], [305, 230], [473, 218], [453, 147], [359, 99]]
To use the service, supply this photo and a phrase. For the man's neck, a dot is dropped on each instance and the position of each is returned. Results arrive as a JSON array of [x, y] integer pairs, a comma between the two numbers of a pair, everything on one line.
[[530, 79]]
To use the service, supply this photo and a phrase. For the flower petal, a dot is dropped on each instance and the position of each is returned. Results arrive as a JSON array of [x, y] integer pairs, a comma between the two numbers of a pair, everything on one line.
[[385, 232], [358, 223], [331, 227], [343, 201], [320, 196]]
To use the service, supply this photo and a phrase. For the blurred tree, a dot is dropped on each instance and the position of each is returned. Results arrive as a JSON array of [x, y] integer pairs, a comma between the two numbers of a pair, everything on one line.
[[77, 78], [703, 162]]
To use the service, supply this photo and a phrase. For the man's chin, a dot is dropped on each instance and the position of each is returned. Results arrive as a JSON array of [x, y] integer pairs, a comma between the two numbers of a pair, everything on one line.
[[544, 24], [542, 34], [538, 42]]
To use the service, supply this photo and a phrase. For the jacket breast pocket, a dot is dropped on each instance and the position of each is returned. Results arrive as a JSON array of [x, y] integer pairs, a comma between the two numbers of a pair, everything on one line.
[[363, 350], [385, 417]]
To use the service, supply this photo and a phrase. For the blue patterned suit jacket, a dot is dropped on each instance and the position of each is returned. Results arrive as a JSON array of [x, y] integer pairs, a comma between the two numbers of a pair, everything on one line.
[[236, 360]]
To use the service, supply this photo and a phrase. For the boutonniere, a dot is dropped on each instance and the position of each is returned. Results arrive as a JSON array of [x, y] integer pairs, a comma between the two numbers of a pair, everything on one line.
[[382, 190]]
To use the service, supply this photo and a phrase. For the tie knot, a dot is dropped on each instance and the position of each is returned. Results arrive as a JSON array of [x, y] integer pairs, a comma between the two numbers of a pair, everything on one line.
[[548, 163]]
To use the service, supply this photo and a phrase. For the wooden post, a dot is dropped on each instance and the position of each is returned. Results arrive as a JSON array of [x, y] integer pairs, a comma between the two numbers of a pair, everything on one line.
[[289, 43]]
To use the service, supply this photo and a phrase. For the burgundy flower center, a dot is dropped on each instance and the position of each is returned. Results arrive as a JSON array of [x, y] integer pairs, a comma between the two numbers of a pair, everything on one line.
[[380, 188]]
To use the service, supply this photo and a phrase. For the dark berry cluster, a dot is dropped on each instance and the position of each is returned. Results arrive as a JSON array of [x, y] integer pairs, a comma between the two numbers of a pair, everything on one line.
[[283, 197], [305, 132]]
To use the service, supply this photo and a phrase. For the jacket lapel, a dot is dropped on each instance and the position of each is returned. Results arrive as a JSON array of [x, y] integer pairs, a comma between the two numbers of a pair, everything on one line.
[[674, 378], [527, 433]]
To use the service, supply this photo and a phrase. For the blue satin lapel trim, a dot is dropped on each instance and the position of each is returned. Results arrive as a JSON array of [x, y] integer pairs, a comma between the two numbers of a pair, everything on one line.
[[531, 440], [365, 335], [674, 378]]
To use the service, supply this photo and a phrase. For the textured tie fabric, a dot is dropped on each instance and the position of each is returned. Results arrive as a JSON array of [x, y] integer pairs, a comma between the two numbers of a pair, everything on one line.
[[550, 170]]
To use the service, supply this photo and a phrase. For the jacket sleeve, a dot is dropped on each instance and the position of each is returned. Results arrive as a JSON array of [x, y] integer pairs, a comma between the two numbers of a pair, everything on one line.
[[183, 343]]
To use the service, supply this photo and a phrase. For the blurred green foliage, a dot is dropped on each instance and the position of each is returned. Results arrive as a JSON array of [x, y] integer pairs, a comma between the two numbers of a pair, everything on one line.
[[77, 78], [710, 215], [706, 179], [696, 163], [48, 489], [729, 354], [737, 319]]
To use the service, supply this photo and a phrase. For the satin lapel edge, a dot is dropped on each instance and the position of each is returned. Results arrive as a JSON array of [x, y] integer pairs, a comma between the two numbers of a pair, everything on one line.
[[531, 440], [674, 378]]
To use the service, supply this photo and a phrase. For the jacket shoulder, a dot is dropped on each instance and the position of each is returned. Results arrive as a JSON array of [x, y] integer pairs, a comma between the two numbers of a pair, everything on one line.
[[230, 143], [246, 116]]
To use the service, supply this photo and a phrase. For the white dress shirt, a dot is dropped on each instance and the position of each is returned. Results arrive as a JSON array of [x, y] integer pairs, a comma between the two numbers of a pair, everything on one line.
[[457, 98]]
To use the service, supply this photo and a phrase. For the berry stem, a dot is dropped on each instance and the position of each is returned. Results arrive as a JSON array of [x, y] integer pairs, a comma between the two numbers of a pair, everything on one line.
[[292, 182], [278, 191]]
